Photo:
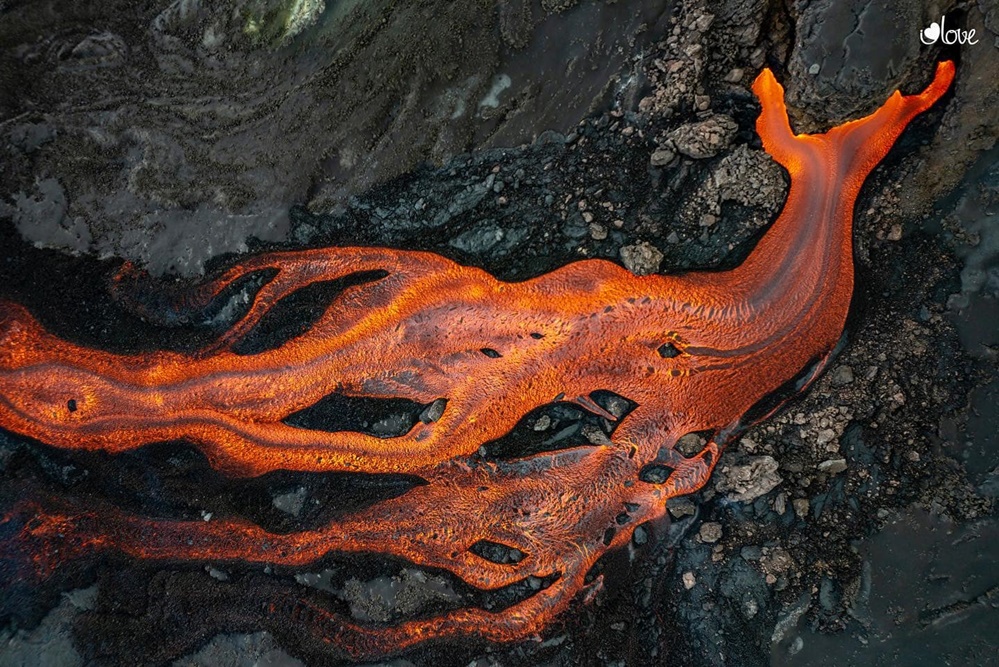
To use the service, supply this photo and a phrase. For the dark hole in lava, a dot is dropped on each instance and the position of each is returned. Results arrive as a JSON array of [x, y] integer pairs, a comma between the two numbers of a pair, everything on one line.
[[495, 552], [655, 473], [382, 417], [296, 313], [166, 304], [503, 598], [668, 351], [560, 425]]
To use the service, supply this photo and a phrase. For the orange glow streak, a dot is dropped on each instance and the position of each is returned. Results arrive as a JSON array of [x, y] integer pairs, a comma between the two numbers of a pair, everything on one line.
[[418, 334]]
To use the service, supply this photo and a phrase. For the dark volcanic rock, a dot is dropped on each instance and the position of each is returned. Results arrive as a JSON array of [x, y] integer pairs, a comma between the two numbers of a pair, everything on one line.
[[851, 54], [172, 132]]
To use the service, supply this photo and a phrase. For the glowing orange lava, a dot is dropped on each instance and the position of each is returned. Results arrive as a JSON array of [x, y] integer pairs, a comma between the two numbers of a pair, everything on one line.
[[695, 352]]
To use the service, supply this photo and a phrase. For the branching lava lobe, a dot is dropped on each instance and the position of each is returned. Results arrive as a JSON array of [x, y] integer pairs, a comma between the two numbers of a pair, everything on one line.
[[694, 352]]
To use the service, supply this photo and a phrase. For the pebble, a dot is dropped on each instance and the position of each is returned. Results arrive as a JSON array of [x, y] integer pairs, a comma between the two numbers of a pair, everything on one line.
[[689, 580], [642, 259], [825, 436], [705, 138], [661, 157], [597, 231], [681, 507], [744, 483], [710, 532], [780, 503], [800, 507], [842, 376], [833, 466], [434, 411], [690, 444]]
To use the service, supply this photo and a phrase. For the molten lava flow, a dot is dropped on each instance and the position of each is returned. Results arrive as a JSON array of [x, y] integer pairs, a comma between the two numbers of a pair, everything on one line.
[[695, 353]]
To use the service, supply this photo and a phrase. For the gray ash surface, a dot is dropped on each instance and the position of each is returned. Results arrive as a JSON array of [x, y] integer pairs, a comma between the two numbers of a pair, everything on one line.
[[858, 526]]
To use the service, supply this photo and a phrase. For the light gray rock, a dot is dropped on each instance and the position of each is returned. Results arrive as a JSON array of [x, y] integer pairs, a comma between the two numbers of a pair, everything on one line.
[[710, 532], [291, 502], [705, 138], [642, 258], [744, 483], [383, 598], [833, 466]]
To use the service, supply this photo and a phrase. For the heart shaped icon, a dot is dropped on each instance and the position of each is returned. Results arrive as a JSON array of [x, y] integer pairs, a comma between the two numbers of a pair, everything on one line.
[[931, 34]]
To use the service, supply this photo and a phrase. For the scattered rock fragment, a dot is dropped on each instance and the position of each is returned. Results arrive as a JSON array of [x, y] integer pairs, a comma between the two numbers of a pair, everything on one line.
[[642, 259], [801, 506], [833, 466], [780, 503], [680, 507], [703, 139], [734, 75], [662, 156], [597, 231], [434, 411], [748, 482], [292, 501], [710, 532], [690, 444], [842, 376]]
